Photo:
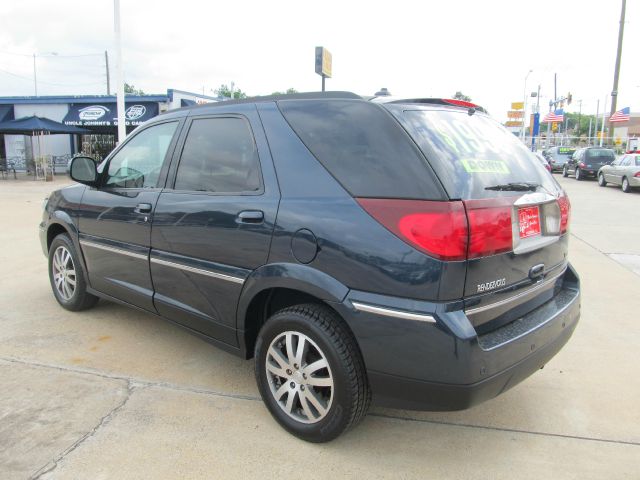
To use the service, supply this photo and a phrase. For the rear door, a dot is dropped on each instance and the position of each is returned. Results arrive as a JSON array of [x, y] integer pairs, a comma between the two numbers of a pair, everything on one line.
[[516, 212], [115, 219], [213, 223], [613, 172]]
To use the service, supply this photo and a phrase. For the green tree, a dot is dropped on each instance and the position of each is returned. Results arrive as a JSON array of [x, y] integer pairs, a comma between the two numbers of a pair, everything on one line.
[[583, 128], [225, 91], [289, 91], [461, 96], [131, 89]]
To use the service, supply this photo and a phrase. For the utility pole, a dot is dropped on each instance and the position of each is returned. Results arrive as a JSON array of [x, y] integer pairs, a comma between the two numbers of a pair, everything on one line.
[[122, 129], [595, 131], [604, 110], [35, 78], [579, 116], [106, 66], [616, 74]]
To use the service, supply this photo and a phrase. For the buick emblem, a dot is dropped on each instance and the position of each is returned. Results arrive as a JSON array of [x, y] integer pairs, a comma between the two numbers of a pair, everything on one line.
[[94, 112]]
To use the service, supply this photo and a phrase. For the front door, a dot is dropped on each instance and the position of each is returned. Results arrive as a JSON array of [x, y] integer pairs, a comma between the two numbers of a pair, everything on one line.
[[213, 223], [115, 219]]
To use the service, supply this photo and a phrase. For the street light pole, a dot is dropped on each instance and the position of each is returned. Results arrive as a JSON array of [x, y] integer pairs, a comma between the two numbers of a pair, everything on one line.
[[35, 77], [122, 129], [524, 113]]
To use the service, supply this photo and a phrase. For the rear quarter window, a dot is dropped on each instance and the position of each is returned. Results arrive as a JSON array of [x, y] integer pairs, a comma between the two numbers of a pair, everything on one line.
[[363, 147]]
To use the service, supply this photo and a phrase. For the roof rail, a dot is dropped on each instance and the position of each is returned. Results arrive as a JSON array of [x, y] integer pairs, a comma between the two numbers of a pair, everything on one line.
[[289, 96]]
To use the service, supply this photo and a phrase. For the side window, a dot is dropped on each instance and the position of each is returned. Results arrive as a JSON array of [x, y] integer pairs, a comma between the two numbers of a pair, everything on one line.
[[139, 161], [219, 155], [626, 161], [637, 157]]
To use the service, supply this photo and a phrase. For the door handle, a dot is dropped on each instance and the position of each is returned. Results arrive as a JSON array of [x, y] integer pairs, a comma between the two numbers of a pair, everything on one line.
[[250, 216], [143, 208]]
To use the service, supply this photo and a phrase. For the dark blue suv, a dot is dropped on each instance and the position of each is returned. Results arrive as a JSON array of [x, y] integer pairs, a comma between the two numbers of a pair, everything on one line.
[[405, 251]]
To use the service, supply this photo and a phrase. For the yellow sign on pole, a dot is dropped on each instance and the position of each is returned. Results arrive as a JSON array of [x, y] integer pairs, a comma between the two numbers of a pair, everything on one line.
[[323, 62], [515, 114], [517, 106]]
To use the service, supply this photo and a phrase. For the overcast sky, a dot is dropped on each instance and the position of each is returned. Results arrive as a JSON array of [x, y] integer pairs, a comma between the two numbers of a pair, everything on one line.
[[414, 48]]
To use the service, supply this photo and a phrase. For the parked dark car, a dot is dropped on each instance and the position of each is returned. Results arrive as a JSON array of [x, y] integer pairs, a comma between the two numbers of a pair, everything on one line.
[[624, 171], [586, 162], [406, 250], [543, 161], [558, 157]]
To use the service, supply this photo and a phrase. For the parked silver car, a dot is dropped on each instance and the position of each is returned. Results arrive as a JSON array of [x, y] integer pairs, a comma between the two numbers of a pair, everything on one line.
[[624, 171]]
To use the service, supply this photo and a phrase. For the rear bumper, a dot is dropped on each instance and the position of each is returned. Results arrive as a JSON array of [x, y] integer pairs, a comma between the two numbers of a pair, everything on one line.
[[445, 365]]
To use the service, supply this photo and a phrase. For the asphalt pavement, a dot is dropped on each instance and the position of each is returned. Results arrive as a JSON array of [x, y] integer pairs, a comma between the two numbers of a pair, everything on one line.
[[115, 393]]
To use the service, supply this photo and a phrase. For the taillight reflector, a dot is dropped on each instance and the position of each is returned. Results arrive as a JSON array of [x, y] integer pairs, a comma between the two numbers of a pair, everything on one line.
[[436, 228], [490, 227], [565, 212]]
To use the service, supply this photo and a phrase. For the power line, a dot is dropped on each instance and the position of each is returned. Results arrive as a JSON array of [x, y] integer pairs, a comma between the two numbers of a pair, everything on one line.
[[57, 55], [51, 83]]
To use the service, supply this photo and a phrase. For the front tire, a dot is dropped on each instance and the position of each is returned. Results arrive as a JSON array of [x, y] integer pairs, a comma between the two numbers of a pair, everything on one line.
[[601, 181], [310, 373], [626, 188], [68, 279], [565, 173]]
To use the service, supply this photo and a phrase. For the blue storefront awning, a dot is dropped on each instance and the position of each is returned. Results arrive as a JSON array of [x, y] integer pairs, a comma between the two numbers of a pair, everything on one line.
[[101, 115]]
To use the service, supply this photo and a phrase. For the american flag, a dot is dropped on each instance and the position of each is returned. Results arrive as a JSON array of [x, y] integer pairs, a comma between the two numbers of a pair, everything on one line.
[[621, 115], [552, 117]]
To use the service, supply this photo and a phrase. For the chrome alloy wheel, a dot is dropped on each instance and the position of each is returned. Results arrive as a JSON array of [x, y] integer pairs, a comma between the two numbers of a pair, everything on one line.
[[299, 377], [64, 273]]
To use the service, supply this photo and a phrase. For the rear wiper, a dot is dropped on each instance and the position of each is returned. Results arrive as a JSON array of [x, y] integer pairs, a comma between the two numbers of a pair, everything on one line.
[[515, 187]]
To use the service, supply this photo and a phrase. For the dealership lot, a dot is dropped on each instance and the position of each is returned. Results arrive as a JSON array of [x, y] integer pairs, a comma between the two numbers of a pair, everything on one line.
[[115, 393]]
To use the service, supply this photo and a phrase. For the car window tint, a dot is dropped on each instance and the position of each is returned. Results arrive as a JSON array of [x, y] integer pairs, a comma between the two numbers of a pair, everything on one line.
[[637, 160], [473, 152], [363, 147], [138, 163], [219, 155], [600, 153], [626, 161]]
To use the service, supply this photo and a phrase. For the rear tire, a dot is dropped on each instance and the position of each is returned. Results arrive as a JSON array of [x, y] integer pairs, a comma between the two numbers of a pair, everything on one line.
[[579, 175], [565, 173], [316, 404], [67, 276], [601, 181], [626, 188]]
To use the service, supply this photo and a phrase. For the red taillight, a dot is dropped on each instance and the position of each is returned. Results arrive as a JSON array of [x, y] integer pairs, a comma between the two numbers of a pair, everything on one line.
[[637, 175], [547, 166], [459, 103], [490, 228], [581, 165], [565, 212], [437, 228]]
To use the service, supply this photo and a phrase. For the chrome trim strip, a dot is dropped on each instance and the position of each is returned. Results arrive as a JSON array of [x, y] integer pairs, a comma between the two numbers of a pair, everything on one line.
[[387, 312], [200, 271], [100, 246], [532, 289]]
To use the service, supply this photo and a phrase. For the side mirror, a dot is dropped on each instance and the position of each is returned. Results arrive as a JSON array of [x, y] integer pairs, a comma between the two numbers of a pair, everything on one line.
[[84, 170]]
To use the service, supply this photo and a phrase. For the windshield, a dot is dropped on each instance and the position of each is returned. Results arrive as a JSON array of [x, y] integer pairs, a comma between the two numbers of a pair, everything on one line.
[[473, 152]]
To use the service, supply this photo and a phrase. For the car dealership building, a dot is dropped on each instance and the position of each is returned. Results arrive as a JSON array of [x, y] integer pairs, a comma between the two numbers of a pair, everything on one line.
[[96, 113]]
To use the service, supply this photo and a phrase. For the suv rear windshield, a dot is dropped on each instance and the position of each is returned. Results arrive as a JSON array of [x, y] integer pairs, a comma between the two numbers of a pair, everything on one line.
[[472, 152], [363, 147], [600, 154]]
